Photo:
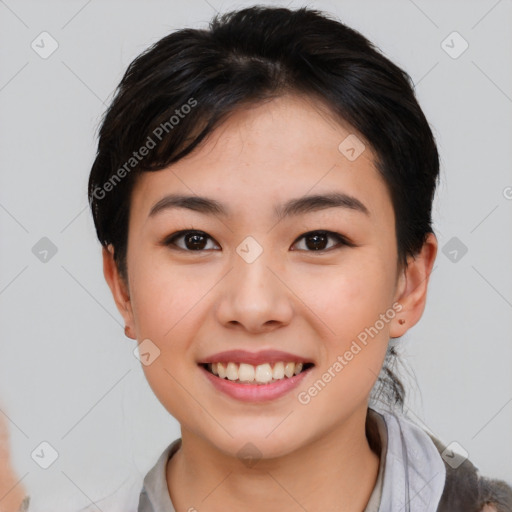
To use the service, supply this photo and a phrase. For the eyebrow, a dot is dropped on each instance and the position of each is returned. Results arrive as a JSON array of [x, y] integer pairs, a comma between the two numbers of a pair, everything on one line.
[[293, 207]]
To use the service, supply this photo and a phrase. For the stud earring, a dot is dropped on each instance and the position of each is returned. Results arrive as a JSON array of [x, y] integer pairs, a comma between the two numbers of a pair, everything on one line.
[[401, 321], [126, 328]]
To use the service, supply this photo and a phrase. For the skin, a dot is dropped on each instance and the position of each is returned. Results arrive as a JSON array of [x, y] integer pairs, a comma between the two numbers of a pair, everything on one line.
[[311, 303], [12, 490]]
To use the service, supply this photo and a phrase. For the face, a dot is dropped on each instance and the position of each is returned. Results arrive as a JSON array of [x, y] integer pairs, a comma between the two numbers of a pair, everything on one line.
[[261, 271]]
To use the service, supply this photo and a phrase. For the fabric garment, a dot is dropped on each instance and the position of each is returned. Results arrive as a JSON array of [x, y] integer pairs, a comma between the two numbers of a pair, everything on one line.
[[466, 490]]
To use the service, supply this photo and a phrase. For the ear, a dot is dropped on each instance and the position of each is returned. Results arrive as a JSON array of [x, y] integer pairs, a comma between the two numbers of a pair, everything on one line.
[[411, 291], [119, 290]]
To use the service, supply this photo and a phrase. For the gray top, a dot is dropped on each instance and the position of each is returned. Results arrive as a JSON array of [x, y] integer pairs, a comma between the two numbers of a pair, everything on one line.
[[411, 473]]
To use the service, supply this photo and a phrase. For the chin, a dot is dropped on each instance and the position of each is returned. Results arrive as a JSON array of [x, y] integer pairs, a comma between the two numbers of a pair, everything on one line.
[[261, 440]]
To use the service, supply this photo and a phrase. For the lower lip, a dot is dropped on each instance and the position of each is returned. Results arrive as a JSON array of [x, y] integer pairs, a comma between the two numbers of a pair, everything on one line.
[[255, 392]]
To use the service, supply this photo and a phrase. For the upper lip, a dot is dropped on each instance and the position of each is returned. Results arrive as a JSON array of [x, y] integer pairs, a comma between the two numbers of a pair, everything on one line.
[[254, 358]]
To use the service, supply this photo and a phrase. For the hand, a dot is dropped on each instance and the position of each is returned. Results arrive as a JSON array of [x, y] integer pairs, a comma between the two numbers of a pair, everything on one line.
[[12, 492]]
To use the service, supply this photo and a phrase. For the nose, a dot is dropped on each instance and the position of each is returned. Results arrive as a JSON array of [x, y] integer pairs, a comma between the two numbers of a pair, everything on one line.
[[253, 297]]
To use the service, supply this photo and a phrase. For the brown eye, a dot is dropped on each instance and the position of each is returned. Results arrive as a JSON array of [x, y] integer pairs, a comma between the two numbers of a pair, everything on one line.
[[191, 240], [319, 240]]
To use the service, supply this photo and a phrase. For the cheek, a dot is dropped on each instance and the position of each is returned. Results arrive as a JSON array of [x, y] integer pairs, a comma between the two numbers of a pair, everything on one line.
[[162, 296], [349, 302], [355, 338], [350, 296], [165, 305]]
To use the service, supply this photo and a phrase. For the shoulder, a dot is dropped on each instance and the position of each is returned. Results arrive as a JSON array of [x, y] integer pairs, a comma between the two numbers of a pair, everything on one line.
[[466, 490]]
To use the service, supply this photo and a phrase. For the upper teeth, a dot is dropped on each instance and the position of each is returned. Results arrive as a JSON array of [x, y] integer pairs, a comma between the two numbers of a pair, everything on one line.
[[263, 373]]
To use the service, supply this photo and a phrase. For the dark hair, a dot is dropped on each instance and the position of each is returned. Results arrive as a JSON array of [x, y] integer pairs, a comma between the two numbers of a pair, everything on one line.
[[180, 89]]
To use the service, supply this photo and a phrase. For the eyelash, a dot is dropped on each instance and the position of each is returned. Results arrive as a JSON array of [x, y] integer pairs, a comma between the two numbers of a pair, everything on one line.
[[342, 240]]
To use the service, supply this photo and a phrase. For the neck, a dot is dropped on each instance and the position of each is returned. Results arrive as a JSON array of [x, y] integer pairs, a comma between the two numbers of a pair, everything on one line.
[[337, 471]]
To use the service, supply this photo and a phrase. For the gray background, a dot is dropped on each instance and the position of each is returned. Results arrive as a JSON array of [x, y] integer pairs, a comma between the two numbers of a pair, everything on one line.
[[68, 375]]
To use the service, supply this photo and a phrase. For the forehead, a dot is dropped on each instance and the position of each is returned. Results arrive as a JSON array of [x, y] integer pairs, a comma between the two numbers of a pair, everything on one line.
[[269, 152]]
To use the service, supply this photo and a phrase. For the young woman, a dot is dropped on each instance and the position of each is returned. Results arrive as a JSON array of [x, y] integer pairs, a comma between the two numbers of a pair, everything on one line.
[[262, 191]]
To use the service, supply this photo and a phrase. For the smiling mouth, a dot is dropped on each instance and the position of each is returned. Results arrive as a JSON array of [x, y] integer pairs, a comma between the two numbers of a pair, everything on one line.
[[266, 373]]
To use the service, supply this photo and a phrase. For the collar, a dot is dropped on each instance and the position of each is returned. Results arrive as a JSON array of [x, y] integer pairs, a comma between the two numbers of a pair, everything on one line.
[[154, 496], [414, 472]]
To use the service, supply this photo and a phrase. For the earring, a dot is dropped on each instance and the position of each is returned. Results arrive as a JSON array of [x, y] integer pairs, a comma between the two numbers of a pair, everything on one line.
[[401, 321], [126, 328]]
